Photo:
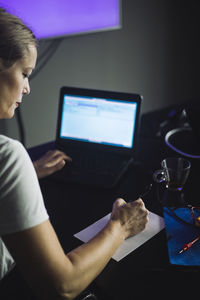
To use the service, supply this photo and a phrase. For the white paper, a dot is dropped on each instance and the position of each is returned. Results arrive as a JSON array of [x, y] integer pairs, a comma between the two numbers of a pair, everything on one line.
[[155, 224]]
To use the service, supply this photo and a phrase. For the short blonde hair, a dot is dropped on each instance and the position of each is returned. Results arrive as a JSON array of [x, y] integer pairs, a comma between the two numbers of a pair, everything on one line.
[[15, 38]]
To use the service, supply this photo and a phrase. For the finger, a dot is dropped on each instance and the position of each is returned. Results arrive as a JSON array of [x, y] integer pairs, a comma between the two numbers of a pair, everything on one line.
[[52, 160], [60, 157], [48, 170], [146, 220], [118, 202], [139, 206], [53, 163], [139, 202], [58, 166], [54, 153], [144, 214]]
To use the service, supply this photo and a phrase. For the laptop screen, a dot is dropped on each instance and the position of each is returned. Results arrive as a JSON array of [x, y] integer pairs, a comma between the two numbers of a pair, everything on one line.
[[98, 120]]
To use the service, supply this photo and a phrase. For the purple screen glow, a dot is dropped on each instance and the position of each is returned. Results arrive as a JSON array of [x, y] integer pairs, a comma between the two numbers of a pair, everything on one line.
[[56, 18]]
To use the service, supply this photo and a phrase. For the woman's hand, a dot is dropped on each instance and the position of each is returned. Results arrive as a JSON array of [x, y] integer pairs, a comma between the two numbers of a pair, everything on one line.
[[51, 162], [132, 216]]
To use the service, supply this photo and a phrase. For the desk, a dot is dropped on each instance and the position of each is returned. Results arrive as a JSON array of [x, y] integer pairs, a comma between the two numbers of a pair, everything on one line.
[[146, 271]]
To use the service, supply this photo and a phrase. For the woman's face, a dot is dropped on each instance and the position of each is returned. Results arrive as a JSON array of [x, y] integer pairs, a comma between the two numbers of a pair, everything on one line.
[[14, 83]]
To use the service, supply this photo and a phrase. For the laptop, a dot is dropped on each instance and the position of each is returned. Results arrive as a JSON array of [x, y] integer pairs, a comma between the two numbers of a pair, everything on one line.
[[98, 130]]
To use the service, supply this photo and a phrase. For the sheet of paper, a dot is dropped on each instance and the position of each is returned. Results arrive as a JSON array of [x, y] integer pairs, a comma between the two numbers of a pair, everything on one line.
[[155, 224]]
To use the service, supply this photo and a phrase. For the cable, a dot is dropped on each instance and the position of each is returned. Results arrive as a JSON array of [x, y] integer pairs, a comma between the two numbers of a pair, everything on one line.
[[46, 56], [170, 134], [21, 127], [172, 210]]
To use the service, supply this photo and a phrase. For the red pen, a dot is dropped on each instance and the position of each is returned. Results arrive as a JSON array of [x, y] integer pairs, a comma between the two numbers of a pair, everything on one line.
[[188, 245]]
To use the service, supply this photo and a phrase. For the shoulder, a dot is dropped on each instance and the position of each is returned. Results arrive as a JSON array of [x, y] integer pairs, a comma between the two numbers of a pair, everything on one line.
[[15, 164], [10, 146], [12, 153], [6, 140]]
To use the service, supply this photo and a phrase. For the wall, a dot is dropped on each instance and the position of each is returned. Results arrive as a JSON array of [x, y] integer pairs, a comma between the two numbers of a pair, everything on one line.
[[155, 54]]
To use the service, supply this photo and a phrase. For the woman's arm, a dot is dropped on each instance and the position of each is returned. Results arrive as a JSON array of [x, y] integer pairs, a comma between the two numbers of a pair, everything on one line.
[[54, 275]]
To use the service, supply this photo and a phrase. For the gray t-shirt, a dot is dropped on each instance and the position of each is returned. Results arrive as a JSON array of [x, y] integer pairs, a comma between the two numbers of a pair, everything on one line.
[[21, 201]]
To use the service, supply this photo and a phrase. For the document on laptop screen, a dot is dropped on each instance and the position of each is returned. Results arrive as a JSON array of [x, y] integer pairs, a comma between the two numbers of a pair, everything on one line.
[[98, 120]]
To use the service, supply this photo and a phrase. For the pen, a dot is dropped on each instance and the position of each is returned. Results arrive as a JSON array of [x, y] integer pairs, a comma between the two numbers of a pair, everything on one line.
[[146, 191], [188, 245]]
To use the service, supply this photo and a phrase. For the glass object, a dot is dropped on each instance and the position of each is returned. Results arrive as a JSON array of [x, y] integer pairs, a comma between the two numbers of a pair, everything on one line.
[[174, 173]]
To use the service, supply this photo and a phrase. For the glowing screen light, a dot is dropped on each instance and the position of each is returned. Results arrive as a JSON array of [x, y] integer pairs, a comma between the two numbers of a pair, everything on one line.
[[56, 18]]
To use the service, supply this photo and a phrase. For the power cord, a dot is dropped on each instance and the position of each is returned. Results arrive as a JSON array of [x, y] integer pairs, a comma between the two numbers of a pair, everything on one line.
[[44, 58], [22, 135], [173, 132]]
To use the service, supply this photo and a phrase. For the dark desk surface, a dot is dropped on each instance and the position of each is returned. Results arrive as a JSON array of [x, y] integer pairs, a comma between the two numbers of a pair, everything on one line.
[[146, 271]]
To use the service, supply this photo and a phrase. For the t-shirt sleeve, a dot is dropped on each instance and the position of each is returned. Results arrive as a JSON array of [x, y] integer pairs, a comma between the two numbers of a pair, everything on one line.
[[21, 201]]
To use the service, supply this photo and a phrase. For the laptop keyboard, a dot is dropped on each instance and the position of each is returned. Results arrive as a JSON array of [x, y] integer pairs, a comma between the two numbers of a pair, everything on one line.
[[109, 164], [96, 169], [98, 162]]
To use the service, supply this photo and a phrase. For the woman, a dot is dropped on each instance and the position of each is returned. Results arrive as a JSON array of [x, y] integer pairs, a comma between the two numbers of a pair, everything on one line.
[[25, 230]]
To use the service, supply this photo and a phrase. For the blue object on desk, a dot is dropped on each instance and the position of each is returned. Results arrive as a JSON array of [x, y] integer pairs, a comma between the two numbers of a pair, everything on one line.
[[180, 230]]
